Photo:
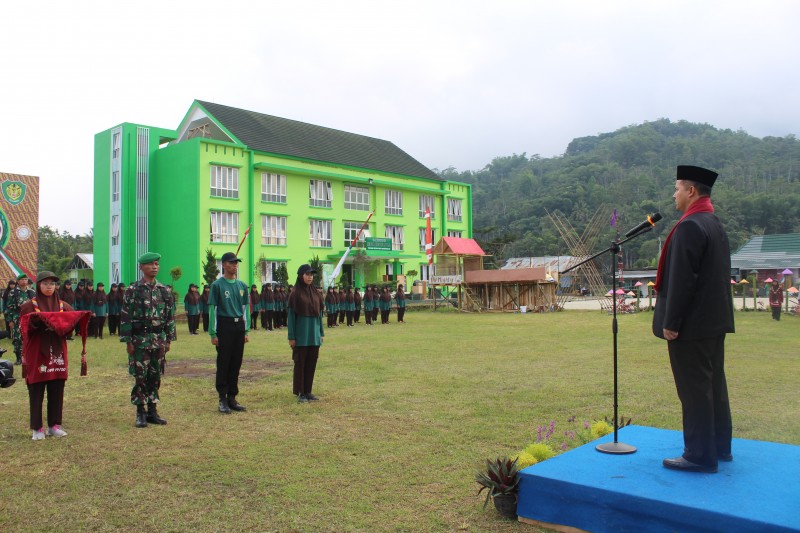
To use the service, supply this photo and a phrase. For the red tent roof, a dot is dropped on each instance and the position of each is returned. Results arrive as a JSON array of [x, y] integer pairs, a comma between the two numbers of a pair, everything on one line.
[[458, 246]]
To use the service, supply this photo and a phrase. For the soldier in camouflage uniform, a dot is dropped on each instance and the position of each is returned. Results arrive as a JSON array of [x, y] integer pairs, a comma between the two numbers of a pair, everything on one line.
[[147, 325], [18, 296]]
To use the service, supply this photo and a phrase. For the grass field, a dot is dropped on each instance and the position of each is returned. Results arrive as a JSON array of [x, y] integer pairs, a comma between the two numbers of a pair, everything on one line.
[[407, 414]]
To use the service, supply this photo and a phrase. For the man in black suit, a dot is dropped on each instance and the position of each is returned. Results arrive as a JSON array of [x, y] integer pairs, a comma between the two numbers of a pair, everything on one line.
[[694, 311]]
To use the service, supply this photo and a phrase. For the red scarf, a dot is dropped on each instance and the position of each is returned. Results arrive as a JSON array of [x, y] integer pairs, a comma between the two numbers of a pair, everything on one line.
[[702, 205]]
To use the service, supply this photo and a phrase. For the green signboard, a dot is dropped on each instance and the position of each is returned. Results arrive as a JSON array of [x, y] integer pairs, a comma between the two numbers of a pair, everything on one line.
[[379, 243]]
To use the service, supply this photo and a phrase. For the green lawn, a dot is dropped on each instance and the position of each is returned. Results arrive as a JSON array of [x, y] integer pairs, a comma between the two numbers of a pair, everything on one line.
[[408, 413]]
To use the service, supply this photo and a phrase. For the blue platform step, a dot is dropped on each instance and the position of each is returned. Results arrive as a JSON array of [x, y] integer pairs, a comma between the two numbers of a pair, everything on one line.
[[759, 491]]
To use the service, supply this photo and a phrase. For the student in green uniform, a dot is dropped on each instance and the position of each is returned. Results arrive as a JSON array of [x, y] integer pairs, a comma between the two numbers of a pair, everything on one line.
[[229, 328], [114, 309], [305, 332], [255, 306], [99, 310], [191, 304], [400, 298]]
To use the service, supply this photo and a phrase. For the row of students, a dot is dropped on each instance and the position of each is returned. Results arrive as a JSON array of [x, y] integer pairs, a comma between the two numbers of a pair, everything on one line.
[[347, 304]]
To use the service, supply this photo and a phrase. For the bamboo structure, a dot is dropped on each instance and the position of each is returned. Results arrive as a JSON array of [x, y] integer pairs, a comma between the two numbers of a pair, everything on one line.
[[580, 248]]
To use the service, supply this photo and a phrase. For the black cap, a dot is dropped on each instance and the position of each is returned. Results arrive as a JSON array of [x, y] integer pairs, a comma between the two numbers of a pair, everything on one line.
[[230, 257], [697, 174], [305, 269]]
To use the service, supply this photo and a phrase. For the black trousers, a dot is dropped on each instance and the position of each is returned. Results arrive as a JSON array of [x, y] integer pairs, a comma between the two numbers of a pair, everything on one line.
[[357, 315], [205, 322], [305, 366], [699, 370], [332, 319], [368, 315], [375, 313], [264, 320], [55, 402], [776, 313], [401, 312], [349, 315], [342, 314], [254, 320], [113, 324], [99, 324], [230, 352], [193, 323]]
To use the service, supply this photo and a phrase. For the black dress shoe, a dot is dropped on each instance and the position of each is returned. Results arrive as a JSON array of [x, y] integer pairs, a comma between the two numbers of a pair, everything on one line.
[[302, 398], [224, 407], [311, 398], [727, 457], [679, 463]]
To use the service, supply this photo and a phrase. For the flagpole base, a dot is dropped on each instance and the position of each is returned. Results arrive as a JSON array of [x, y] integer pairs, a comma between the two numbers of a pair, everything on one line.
[[616, 448]]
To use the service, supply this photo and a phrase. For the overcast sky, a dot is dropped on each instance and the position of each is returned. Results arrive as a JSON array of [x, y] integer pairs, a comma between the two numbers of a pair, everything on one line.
[[451, 83]]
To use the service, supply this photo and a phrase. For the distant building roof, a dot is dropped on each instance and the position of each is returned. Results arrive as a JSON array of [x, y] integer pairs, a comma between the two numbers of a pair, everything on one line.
[[769, 252], [458, 246], [82, 262], [281, 136]]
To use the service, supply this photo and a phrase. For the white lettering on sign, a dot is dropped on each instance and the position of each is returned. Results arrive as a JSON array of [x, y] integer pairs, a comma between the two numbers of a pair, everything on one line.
[[446, 280]]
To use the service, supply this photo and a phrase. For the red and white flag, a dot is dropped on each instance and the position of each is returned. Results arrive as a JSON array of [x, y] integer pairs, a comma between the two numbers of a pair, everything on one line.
[[428, 236]]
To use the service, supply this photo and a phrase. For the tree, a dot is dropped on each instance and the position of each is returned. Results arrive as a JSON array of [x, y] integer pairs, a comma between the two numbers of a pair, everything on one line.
[[316, 264], [411, 274], [56, 250], [210, 270], [281, 275]]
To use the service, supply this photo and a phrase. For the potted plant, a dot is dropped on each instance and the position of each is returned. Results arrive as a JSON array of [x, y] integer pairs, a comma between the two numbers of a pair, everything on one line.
[[501, 482]]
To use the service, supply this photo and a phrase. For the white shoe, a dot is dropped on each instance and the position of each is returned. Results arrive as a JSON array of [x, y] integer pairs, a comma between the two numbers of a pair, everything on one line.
[[56, 431], [38, 435]]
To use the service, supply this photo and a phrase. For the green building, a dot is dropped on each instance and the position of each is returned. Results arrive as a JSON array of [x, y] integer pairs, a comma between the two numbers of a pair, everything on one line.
[[305, 189]]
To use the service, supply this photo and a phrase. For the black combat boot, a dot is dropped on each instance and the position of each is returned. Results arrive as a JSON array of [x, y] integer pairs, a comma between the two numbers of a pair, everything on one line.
[[141, 417], [234, 405], [223, 406], [152, 415]]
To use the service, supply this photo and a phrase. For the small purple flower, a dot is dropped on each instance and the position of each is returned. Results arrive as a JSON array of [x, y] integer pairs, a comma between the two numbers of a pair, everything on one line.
[[563, 446]]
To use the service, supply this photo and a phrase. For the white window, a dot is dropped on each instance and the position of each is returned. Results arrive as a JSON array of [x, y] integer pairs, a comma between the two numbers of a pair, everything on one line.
[[116, 144], [319, 193], [320, 233], [269, 270], [224, 226], [394, 203], [224, 182], [220, 270], [356, 197], [390, 270], [396, 234], [427, 202], [273, 230], [115, 273], [351, 230], [115, 230], [454, 234], [426, 271], [273, 188], [115, 185], [422, 238], [454, 209]]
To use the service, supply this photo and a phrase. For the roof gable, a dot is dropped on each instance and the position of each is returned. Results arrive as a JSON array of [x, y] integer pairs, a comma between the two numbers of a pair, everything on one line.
[[769, 251], [281, 136], [458, 246]]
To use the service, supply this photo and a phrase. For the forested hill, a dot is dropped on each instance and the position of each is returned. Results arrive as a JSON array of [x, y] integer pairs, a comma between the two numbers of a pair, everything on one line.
[[632, 170]]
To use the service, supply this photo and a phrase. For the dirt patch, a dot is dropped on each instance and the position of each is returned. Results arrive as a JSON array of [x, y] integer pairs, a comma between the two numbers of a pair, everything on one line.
[[205, 368]]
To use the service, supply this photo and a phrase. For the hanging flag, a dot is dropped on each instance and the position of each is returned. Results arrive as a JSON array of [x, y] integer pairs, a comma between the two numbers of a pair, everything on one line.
[[614, 219], [428, 236], [246, 233], [347, 252]]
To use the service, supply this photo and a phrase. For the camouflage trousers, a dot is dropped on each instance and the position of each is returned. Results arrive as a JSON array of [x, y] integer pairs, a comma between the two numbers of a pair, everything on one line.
[[145, 367], [16, 339]]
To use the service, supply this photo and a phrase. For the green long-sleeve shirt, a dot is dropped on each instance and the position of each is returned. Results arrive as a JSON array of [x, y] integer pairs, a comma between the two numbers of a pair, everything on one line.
[[305, 330], [229, 298]]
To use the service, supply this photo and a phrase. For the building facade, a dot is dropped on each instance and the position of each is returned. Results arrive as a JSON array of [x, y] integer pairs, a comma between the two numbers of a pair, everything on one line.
[[304, 191]]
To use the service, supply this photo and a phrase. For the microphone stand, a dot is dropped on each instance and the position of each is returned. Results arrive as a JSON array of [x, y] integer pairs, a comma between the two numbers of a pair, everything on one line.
[[615, 447]]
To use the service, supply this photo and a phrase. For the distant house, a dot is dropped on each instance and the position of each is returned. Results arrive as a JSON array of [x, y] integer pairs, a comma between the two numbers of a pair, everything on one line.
[[769, 255], [81, 267]]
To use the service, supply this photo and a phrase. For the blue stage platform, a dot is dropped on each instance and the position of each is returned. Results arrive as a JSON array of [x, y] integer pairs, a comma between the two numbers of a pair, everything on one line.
[[759, 491]]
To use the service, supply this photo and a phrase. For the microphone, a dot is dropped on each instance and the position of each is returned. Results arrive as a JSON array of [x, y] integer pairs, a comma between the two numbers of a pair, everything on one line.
[[649, 222]]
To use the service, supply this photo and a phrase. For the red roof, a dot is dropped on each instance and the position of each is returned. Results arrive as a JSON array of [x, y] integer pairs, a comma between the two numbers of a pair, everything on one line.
[[458, 246]]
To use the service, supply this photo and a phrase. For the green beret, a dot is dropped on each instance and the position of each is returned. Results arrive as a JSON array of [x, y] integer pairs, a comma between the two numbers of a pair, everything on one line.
[[23, 275], [148, 257]]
